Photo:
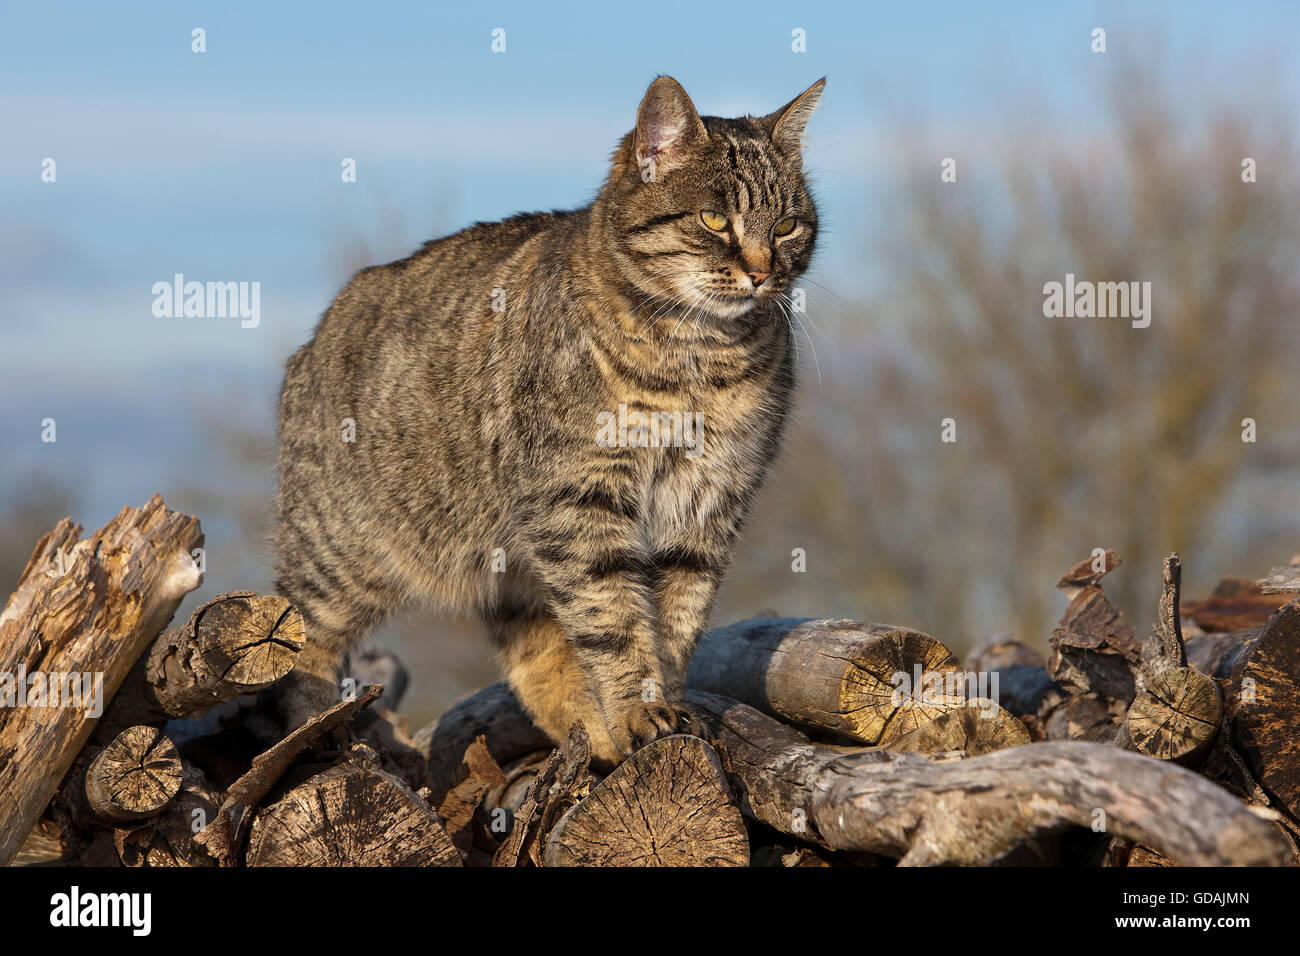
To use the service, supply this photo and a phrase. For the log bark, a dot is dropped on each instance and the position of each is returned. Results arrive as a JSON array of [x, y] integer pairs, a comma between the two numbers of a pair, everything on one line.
[[976, 811], [833, 675], [134, 777], [350, 815], [667, 805], [1264, 692], [85, 608]]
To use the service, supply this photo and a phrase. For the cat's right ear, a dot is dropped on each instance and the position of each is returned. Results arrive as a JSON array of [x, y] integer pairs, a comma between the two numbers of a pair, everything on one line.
[[667, 126]]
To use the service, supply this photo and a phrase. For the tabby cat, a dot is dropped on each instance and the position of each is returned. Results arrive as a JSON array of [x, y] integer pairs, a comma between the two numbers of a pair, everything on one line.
[[475, 423]]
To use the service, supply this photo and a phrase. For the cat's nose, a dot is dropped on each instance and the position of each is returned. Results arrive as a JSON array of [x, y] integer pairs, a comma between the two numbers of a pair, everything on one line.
[[759, 278]]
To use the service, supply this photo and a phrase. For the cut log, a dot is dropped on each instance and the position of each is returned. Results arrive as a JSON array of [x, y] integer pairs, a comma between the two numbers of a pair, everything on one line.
[[238, 643], [833, 675], [350, 815], [564, 779], [1264, 694], [1176, 717], [667, 805], [134, 777], [81, 616], [965, 729], [976, 811]]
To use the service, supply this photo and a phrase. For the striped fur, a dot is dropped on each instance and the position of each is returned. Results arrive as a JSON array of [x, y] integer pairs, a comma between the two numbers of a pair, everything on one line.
[[475, 371]]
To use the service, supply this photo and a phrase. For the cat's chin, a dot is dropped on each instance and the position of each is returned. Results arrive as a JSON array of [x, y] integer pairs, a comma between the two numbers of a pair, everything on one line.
[[732, 309]]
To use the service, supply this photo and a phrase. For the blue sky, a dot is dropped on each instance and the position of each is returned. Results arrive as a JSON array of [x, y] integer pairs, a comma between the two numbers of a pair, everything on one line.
[[225, 165]]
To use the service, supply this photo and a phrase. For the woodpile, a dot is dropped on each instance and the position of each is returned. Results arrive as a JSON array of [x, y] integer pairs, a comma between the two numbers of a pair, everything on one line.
[[814, 742]]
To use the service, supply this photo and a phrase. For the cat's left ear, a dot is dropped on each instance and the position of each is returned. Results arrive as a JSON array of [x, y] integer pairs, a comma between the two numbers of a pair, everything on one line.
[[667, 126], [786, 125]]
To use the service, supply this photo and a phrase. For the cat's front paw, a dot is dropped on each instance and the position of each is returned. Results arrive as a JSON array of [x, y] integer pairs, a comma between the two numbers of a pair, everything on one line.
[[643, 724]]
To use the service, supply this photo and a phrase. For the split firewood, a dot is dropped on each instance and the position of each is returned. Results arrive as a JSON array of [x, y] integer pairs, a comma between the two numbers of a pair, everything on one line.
[[350, 815], [238, 643], [1085, 717], [459, 808], [1264, 699], [979, 810], [493, 713], [1282, 580], [667, 805], [830, 675], [83, 612], [134, 777], [1093, 648], [561, 783], [223, 837]]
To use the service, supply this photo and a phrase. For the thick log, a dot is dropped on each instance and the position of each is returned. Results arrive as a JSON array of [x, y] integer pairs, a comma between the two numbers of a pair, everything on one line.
[[976, 811], [1264, 694], [134, 777], [82, 614], [667, 805], [1176, 717], [350, 815], [834, 675], [238, 643]]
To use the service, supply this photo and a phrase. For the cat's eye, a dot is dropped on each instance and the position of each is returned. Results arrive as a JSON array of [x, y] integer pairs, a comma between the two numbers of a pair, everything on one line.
[[714, 220], [785, 226]]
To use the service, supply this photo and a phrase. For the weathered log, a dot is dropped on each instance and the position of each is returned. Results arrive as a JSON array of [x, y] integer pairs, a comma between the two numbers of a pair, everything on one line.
[[134, 777], [1235, 604], [667, 805], [1176, 717], [976, 811], [81, 616], [1083, 717], [168, 840], [238, 643], [350, 815], [493, 713], [834, 675], [1264, 695]]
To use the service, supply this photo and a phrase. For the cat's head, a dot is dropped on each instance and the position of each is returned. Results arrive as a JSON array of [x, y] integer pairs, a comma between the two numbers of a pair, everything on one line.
[[712, 213]]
